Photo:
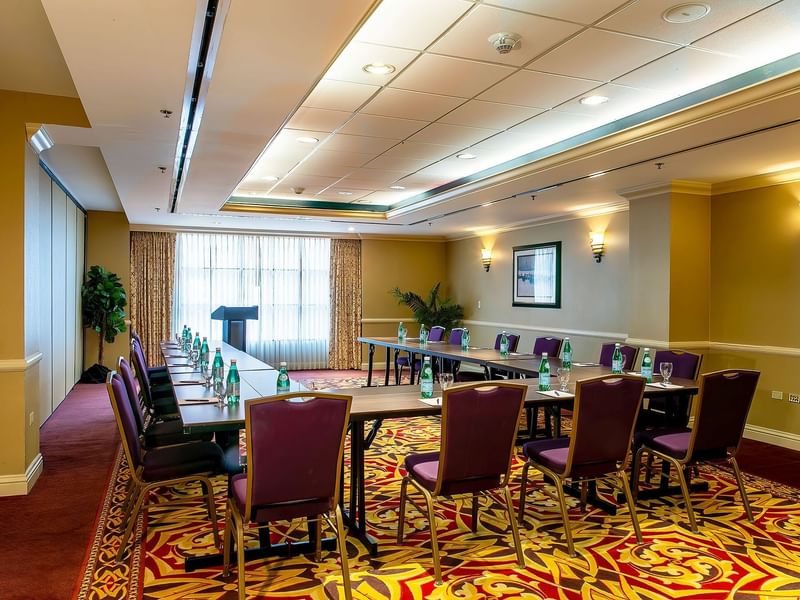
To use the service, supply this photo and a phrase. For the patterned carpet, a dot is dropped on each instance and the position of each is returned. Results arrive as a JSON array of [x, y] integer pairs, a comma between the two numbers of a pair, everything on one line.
[[729, 558]]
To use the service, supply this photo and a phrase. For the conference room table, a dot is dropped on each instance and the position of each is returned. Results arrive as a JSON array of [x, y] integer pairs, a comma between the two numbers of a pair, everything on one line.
[[442, 350]]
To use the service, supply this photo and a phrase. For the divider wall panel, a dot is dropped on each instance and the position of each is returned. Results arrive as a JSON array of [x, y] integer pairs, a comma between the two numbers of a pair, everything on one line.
[[71, 295], [80, 255], [58, 279], [44, 295]]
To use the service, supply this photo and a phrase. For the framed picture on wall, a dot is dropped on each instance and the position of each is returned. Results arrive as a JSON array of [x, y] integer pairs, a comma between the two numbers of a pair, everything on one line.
[[537, 275]]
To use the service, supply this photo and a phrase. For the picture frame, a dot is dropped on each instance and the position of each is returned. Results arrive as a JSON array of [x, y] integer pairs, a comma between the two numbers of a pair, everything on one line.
[[536, 275]]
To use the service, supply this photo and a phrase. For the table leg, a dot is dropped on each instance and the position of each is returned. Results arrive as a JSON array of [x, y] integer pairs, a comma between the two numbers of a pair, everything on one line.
[[386, 374], [356, 517], [412, 360], [369, 368]]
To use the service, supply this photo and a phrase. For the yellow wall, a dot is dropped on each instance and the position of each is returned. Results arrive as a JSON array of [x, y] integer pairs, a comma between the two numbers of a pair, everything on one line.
[[755, 294], [412, 265], [19, 436], [108, 245]]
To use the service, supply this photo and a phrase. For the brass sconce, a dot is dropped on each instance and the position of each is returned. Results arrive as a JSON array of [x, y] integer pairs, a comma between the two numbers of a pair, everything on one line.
[[597, 242], [486, 258]]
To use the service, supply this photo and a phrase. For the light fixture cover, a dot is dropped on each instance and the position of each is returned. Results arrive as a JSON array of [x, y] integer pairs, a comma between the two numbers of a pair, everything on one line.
[[486, 258], [597, 242], [39, 138]]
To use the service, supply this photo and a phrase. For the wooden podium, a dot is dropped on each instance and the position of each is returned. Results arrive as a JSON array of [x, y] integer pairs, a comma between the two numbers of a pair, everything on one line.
[[234, 323]]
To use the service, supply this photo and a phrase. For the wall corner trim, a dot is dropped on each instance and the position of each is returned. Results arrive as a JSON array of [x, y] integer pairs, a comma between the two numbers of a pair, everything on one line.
[[21, 484], [20, 364]]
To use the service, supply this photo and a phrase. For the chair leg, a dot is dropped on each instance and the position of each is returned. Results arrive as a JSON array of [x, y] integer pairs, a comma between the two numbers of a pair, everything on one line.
[[523, 492], [626, 489], [132, 518], [474, 513], [398, 373], [687, 500], [514, 529], [240, 568], [740, 483], [342, 543], [402, 516], [437, 568], [562, 501], [318, 536], [212, 508], [635, 472], [227, 538]]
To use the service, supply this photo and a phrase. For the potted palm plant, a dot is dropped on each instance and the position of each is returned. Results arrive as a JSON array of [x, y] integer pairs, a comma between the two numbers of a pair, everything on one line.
[[104, 300], [434, 310]]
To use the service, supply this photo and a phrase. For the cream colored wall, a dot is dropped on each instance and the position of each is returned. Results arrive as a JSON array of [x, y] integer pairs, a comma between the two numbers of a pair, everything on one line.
[[411, 265], [108, 245], [594, 296], [755, 292]]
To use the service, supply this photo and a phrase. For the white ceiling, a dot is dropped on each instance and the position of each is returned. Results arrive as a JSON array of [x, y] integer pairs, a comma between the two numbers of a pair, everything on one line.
[[279, 75]]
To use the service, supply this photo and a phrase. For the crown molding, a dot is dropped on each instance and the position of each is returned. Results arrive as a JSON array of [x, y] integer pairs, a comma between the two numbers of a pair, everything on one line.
[[677, 186], [756, 181]]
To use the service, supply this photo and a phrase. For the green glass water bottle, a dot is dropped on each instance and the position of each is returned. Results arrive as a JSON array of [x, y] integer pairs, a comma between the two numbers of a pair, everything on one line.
[[401, 333], [426, 379], [283, 380], [504, 344], [204, 352], [187, 343], [218, 372], [196, 344], [465, 340], [423, 334], [616, 360], [566, 355], [544, 374], [647, 366], [232, 387]]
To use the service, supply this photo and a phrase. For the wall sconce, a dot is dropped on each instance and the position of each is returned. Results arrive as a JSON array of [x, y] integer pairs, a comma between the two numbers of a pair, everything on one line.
[[38, 137], [486, 258], [596, 241]]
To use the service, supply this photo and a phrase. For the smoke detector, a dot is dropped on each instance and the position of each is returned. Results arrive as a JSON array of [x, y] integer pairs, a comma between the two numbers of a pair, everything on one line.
[[298, 190], [505, 42]]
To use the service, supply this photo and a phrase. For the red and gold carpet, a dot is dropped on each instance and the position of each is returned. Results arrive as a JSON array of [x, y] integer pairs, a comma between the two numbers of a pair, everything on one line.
[[729, 558]]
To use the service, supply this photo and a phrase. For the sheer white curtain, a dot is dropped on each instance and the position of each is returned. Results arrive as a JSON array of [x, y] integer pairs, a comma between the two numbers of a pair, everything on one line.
[[287, 277]]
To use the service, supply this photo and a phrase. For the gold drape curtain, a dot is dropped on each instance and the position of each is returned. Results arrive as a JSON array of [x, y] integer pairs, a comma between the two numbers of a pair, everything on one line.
[[152, 281], [344, 350]]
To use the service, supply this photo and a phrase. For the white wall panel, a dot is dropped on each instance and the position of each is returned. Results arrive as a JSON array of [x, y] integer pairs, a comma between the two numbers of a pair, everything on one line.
[[59, 293], [45, 320], [70, 301], [80, 230]]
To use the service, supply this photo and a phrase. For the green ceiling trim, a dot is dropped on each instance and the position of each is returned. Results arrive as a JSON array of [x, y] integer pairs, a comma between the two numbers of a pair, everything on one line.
[[316, 204]]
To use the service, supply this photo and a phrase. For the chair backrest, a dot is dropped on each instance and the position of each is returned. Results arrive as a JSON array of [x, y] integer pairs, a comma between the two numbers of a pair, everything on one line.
[[684, 364], [135, 336], [455, 336], [126, 422], [471, 451], [513, 341], [140, 364], [722, 406], [129, 380], [603, 419], [629, 354], [436, 334], [294, 448], [551, 345]]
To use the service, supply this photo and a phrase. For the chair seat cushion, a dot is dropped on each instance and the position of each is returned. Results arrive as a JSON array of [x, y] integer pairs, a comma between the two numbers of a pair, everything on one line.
[[181, 460], [672, 442], [283, 511], [424, 469], [167, 433], [550, 453]]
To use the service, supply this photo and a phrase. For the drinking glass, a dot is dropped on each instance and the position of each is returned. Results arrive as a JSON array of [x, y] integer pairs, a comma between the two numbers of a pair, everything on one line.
[[445, 380], [666, 371], [563, 374], [194, 356]]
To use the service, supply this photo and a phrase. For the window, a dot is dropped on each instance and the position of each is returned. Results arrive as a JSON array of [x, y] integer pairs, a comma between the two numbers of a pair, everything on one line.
[[288, 278]]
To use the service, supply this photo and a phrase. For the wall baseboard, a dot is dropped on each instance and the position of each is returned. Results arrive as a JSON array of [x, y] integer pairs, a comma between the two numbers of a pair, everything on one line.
[[22, 483], [376, 366], [784, 439]]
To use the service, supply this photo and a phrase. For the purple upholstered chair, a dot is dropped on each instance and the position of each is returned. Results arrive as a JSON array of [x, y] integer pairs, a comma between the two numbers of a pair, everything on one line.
[[160, 467], [158, 398], [436, 334], [473, 458], [629, 354], [513, 342], [602, 427], [722, 406], [452, 366], [290, 474], [671, 411], [551, 345], [158, 374]]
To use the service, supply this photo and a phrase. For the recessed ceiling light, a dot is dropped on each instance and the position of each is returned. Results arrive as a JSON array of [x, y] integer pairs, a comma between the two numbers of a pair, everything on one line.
[[351, 229], [270, 178], [598, 174], [686, 13], [378, 68], [397, 187], [593, 100], [466, 156], [307, 139], [345, 193]]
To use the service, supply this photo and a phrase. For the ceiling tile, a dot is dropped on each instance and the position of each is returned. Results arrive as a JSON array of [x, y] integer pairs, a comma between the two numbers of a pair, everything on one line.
[[343, 193], [349, 66], [339, 95], [411, 105], [318, 118], [761, 38], [492, 115], [578, 12], [321, 167], [450, 76], [386, 127], [683, 71], [311, 184], [389, 197], [411, 23], [469, 38], [601, 55], [552, 126], [392, 163], [622, 101], [429, 152], [540, 90], [345, 159], [286, 147], [451, 135], [358, 143], [371, 178], [645, 19]]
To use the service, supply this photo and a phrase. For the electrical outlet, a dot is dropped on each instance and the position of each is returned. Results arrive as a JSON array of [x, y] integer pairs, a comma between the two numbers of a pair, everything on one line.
[[30, 418], [794, 398], [776, 395], [479, 304]]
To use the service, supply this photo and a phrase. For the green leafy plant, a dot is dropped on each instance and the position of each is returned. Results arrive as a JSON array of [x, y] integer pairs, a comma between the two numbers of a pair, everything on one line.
[[104, 301], [434, 311]]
